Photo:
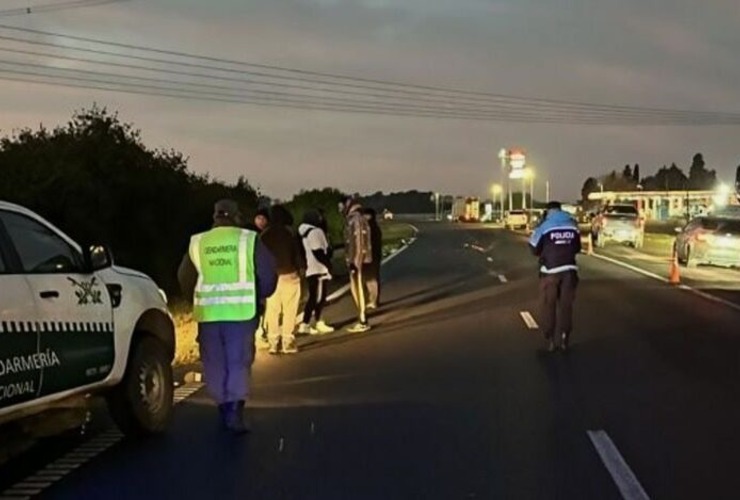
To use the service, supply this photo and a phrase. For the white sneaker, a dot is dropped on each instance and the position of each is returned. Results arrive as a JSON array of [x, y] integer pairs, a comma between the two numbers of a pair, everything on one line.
[[322, 327], [359, 328], [306, 329]]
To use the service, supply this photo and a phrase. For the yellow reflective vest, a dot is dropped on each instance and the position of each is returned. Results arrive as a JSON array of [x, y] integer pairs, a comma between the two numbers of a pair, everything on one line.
[[227, 287]]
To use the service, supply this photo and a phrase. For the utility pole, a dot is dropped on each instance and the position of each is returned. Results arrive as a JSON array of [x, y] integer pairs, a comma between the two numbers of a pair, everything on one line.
[[531, 192], [524, 192]]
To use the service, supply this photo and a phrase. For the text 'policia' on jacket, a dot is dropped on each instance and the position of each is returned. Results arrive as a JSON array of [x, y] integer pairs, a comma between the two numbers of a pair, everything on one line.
[[557, 241]]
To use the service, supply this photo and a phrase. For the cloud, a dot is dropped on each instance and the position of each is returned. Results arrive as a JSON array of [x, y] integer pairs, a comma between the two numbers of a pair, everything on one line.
[[667, 53]]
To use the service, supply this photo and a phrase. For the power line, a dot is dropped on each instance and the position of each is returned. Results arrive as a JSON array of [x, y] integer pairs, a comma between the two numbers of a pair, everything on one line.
[[447, 105], [282, 101], [74, 4], [334, 79], [254, 87]]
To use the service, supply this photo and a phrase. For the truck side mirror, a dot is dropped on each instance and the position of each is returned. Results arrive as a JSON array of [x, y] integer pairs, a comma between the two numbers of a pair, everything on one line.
[[97, 257]]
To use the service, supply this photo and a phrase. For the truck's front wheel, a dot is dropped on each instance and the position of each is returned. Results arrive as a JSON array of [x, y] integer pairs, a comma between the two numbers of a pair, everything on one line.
[[143, 402]]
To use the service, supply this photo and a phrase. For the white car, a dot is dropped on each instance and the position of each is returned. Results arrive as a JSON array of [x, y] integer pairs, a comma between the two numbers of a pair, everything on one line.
[[73, 324], [516, 219]]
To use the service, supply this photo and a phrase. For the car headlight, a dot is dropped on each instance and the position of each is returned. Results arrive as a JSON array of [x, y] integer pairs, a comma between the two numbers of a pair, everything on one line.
[[163, 295]]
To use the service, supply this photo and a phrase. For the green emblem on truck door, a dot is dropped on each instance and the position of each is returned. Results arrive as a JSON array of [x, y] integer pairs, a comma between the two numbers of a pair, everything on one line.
[[87, 291]]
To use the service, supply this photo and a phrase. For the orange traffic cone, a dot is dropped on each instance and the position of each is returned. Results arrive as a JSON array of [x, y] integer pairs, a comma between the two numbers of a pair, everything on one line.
[[675, 275]]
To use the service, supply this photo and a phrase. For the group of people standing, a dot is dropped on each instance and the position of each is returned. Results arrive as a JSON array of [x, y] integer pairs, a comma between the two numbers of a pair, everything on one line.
[[246, 283], [307, 252]]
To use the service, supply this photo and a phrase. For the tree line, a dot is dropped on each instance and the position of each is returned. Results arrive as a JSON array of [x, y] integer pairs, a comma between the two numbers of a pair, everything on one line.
[[666, 178], [96, 180]]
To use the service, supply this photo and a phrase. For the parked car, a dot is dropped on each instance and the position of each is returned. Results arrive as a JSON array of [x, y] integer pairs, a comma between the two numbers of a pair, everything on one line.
[[710, 241], [515, 219], [618, 223], [74, 324]]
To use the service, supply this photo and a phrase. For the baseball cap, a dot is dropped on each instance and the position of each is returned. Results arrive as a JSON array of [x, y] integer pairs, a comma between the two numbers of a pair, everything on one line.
[[226, 208]]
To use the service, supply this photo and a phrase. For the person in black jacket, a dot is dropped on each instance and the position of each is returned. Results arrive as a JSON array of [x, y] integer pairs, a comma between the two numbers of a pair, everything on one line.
[[372, 270]]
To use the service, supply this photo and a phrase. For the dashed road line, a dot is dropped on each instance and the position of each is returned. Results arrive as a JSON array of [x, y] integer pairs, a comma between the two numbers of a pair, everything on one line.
[[502, 278], [529, 320], [57, 470], [623, 477]]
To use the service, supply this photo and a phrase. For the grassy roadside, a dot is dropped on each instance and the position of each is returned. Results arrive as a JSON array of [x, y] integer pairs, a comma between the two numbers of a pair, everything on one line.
[[394, 235]]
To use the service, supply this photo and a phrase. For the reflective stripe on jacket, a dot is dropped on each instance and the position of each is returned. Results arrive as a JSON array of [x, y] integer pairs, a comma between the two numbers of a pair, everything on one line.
[[557, 242], [226, 287]]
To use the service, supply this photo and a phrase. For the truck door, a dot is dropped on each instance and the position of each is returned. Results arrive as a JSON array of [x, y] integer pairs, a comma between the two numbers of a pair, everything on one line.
[[19, 338], [76, 342]]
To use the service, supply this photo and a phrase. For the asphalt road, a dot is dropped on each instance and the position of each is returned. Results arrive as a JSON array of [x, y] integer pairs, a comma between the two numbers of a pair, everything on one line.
[[451, 396], [723, 282]]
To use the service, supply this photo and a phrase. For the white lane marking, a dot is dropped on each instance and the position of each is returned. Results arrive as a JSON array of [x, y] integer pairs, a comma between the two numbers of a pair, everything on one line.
[[344, 289], [79, 456], [489, 259], [686, 288], [529, 320], [502, 278], [625, 479]]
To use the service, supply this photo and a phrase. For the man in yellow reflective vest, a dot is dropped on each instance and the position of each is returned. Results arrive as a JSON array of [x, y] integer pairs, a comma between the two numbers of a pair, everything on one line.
[[229, 274]]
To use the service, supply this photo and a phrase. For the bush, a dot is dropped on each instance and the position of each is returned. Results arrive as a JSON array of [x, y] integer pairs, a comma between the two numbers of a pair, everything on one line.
[[96, 181]]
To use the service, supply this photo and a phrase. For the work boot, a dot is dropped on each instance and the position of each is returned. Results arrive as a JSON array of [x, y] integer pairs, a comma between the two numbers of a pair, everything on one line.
[[564, 342], [235, 418], [223, 412], [550, 345]]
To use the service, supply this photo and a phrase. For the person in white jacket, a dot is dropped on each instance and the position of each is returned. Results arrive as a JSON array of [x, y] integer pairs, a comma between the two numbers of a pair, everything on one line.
[[318, 273]]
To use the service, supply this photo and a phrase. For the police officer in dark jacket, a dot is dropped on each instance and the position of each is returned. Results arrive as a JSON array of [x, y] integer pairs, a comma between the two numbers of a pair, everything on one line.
[[557, 242]]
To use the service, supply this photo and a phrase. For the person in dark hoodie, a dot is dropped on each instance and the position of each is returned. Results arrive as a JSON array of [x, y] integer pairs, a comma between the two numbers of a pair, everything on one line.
[[372, 270], [228, 273], [318, 272], [280, 239], [557, 242], [259, 223]]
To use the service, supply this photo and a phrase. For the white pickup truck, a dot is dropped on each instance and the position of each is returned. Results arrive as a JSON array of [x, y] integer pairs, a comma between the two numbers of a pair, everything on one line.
[[73, 324]]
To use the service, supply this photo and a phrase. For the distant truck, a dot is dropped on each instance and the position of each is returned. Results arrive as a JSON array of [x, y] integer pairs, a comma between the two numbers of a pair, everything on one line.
[[466, 209]]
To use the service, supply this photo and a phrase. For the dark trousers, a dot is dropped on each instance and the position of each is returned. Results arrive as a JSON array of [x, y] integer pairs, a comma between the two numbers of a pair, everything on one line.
[[557, 293], [316, 298], [227, 353]]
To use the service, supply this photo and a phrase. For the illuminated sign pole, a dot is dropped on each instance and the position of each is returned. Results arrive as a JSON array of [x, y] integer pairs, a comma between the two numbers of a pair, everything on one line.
[[503, 155], [517, 160]]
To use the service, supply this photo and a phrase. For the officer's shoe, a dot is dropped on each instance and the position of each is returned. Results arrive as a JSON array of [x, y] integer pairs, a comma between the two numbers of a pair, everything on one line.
[[223, 411], [235, 420], [551, 345]]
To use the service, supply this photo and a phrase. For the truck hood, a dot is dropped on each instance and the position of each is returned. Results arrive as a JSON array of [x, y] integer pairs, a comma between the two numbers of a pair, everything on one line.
[[125, 271]]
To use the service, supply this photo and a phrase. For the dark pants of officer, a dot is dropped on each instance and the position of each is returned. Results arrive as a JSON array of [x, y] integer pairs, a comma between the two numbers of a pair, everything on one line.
[[558, 292], [227, 353]]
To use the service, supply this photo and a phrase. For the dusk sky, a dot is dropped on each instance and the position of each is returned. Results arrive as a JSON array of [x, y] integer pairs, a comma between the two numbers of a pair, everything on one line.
[[676, 54]]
